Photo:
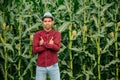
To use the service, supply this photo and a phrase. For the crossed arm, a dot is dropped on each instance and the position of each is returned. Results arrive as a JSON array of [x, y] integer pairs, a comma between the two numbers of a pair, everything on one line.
[[53, 44]]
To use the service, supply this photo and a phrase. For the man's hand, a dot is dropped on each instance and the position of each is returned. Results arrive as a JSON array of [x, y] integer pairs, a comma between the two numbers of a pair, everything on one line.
[[51, 41], [41, 41]]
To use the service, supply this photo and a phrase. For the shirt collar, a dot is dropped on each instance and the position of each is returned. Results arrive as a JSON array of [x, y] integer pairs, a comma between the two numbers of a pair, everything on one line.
[[48, 32]]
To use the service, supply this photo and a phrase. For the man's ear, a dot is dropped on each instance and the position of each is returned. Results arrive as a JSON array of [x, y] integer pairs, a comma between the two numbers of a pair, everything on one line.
[[53, 22]]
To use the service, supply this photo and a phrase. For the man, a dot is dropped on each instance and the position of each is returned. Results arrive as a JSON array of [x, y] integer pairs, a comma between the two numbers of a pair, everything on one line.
[[46, 43]]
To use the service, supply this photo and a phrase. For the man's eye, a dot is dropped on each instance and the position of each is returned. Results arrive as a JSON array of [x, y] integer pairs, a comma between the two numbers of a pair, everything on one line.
[[47, 21]]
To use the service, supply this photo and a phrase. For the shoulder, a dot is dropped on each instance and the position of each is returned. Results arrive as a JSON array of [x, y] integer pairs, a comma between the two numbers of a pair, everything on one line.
[[56, 32], [38, 32]]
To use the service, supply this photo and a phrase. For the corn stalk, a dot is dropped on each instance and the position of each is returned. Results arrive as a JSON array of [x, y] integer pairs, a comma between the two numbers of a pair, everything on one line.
[[70, 41], [84, 33], [20, 36], [98, 42], [19, 52], [30, 54], [3, 39], [116, 44]]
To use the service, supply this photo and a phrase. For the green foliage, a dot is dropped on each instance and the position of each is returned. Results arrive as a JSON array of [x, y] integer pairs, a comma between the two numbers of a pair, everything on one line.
[[91, 53]]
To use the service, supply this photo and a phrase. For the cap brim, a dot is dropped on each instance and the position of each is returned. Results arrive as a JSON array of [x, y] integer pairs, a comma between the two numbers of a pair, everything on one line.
[[47, 17]]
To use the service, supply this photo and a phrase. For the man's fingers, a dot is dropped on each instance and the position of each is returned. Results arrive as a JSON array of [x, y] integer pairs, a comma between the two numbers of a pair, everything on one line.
[[41, 37], [51, 38]]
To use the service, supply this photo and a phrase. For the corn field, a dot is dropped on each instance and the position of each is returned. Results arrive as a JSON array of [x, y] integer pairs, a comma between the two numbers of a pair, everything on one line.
[[90, 29]]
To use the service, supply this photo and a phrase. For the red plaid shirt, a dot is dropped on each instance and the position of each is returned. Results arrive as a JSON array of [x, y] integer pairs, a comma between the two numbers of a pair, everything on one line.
[[47, 53]]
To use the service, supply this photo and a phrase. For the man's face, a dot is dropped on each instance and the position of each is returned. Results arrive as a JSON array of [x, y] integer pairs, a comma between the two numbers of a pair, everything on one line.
[[47, 23]]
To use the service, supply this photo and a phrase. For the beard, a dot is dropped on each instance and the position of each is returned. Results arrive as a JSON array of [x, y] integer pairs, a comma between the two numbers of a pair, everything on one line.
[[47, 27]]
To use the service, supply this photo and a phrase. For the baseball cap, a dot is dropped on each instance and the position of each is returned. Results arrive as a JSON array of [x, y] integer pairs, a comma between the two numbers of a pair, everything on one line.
[[47, 15]]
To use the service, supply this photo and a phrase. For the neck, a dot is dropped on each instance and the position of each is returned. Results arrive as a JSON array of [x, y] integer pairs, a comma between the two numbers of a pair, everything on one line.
[[47, 30]]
